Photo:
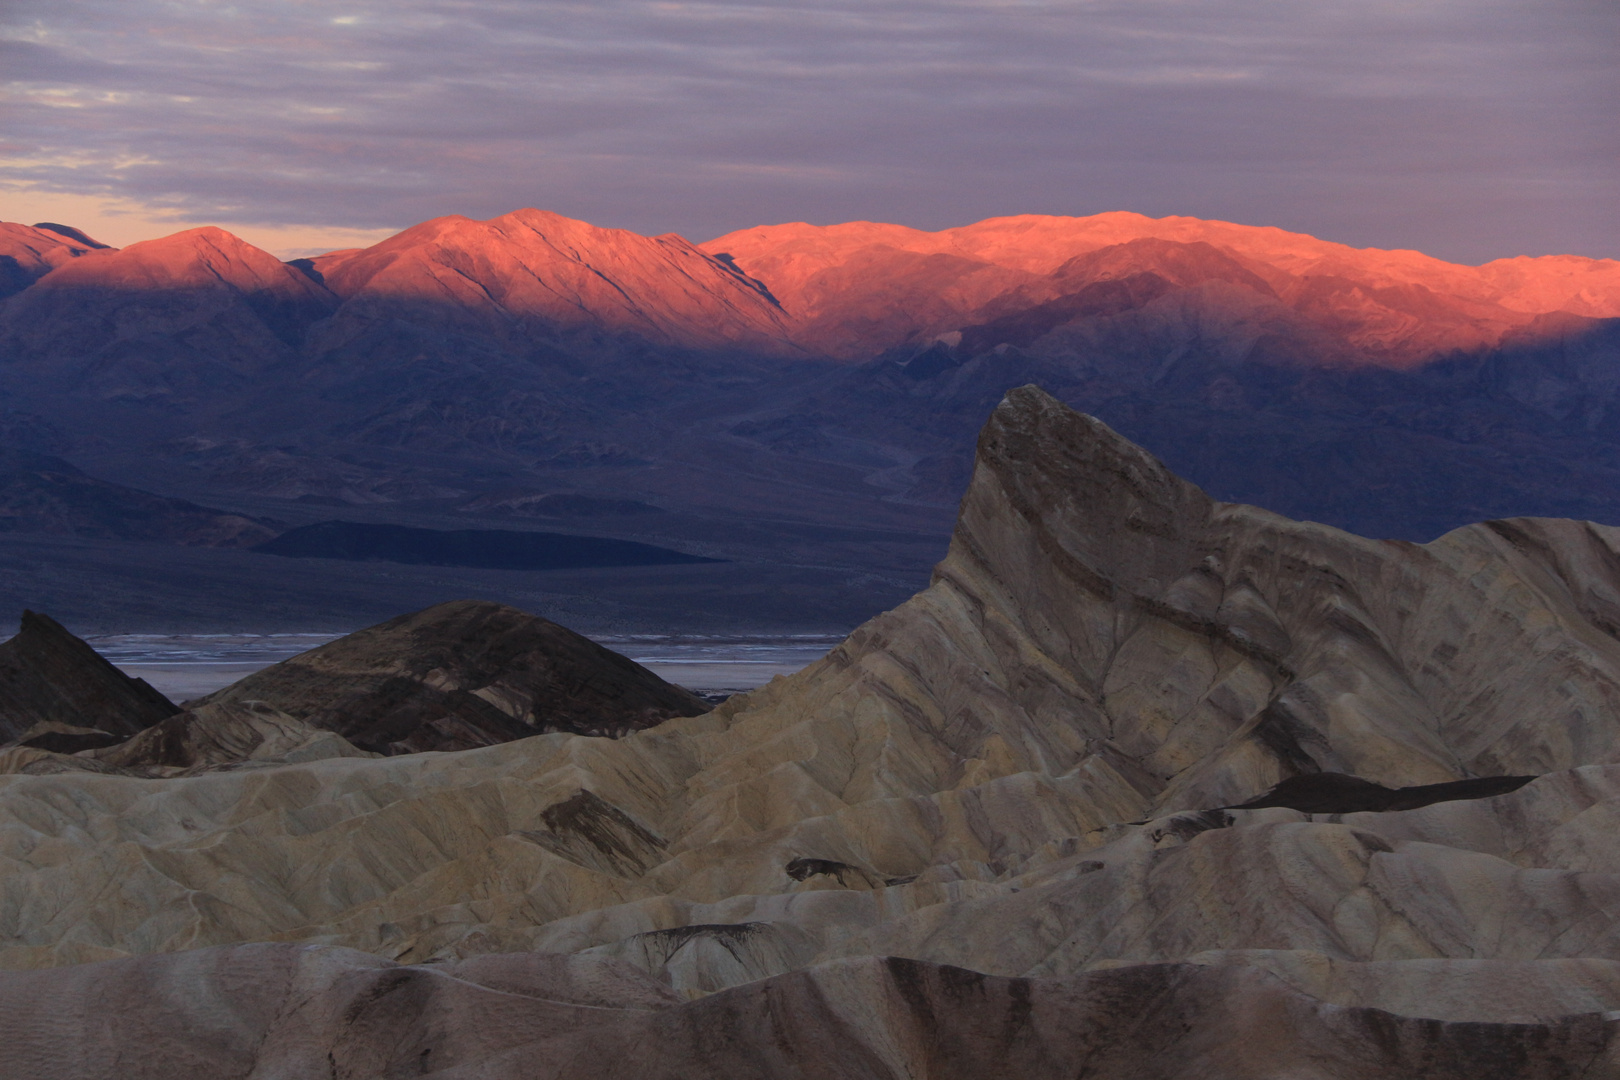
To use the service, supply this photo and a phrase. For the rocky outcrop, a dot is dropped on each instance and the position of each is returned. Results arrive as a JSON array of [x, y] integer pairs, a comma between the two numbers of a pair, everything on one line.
[[226, 735], [1103, 645], [1099, 616], [50, 677], [209, 738], [460, 675], [58, 738]]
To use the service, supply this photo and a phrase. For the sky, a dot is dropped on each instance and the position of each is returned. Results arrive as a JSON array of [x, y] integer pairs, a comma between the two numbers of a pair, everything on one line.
[[1469, 129]]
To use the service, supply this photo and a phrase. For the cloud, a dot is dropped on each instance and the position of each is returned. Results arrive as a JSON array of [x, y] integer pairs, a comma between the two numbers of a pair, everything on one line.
[[1468, 128]]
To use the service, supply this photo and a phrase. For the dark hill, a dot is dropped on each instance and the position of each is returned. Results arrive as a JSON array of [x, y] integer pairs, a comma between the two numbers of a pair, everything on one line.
[[497, 549], [48, 676], [464, 674]]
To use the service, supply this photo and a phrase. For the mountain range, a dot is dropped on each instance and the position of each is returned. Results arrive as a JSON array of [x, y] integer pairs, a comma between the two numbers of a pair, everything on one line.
[[801, 395]]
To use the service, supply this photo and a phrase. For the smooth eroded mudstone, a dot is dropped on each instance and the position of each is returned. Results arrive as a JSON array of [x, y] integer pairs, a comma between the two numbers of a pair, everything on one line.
[[573, 1018]]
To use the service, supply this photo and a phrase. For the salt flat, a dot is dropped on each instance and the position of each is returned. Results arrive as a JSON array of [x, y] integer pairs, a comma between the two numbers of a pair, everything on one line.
[[183, 667]]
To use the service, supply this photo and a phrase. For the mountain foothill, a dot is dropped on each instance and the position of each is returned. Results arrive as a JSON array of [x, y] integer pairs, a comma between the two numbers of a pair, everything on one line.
[[800, 394]]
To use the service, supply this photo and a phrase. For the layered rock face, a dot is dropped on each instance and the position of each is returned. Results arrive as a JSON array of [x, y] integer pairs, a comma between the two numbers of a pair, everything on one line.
[[1025, 784], [460, 675]]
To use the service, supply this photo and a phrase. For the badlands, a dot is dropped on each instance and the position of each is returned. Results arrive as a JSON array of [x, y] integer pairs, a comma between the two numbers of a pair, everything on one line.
[[1143, 785]]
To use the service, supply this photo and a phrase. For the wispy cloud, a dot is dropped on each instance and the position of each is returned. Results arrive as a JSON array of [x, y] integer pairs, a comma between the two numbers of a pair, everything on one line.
[[1470, 128]]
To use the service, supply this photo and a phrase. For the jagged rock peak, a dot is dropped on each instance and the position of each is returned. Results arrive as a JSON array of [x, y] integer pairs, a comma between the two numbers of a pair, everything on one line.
[[1107, 511], [1095, 608], [49, 676]]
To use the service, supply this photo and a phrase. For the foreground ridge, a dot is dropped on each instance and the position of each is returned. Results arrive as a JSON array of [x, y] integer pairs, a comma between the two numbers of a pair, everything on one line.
[[571, 1017]]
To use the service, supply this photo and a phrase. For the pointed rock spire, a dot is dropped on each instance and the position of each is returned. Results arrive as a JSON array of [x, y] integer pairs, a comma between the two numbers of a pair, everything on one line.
[[47, 675]]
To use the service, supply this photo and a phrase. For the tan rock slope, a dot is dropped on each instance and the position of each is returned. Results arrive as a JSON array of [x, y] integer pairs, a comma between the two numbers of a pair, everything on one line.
[[1015, 774]]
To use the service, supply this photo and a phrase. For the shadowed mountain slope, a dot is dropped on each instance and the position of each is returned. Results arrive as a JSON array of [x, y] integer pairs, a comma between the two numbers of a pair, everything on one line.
[[46, 495], [178, 320], [1385, 392], [501, 548], [48, 676], [788, 394]]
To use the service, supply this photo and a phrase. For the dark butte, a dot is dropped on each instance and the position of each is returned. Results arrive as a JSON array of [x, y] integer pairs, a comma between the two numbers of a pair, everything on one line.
[[50, 677], [463, 674]]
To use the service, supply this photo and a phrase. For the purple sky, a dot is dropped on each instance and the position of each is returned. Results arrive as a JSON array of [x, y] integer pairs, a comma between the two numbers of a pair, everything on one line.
[[1469, 129]]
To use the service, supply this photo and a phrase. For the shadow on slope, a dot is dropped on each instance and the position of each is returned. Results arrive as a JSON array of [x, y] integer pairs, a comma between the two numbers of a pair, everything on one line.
[[500, 549]]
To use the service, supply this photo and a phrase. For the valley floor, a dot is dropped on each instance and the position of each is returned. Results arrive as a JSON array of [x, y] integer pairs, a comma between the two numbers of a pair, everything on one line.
[[187, 666]]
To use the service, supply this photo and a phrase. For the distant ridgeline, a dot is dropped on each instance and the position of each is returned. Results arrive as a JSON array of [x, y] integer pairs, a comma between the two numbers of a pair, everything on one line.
[[493, 549]]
